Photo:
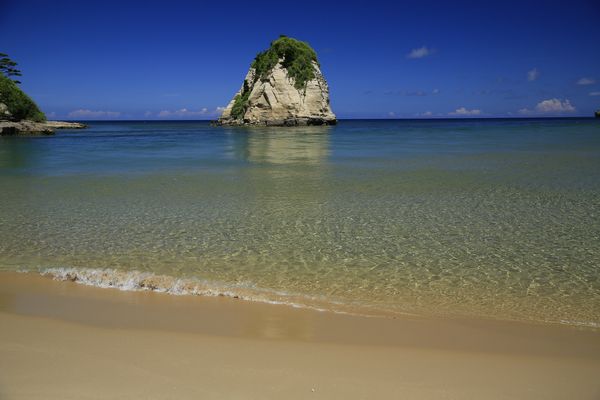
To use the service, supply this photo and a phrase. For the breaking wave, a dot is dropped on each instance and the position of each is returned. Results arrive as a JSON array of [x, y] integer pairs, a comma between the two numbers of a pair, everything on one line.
[[148, 281]]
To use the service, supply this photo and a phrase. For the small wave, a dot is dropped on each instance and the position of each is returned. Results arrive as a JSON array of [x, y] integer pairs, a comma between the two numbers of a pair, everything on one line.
[[581, 324], [148, 281], [137, 280]]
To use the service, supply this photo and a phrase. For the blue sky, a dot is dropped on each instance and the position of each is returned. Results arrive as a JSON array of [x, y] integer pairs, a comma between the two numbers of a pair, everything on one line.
[[184, 60]]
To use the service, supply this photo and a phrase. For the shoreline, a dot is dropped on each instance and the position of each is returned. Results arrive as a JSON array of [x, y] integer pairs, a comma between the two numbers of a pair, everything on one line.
[[186, 286], [75, 338]]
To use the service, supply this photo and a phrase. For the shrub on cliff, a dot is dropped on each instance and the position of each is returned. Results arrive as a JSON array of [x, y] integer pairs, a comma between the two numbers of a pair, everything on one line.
[[241, 103], [19, 105], [296, 57]]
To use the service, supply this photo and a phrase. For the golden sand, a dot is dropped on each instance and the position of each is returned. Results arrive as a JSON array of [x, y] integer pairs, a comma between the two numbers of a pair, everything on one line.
[[61, 340]]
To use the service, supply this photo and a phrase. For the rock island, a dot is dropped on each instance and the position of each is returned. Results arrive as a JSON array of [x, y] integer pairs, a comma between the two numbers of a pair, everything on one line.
[[284, 87]]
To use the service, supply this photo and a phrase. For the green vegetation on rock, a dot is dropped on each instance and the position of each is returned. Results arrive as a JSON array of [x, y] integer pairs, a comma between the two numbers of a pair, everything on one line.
[[240, 103], [297, 58], [19, 105]]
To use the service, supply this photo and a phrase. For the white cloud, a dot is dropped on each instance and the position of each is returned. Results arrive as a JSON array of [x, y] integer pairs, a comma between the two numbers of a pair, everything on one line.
[[550, 106], [391, 114], [420, 52], [533, 74], [51, 114], [147, 114], [84, 113], [220, 110], [462, 111], [435, 91], [554, 105], [586, 81], [594, 93]]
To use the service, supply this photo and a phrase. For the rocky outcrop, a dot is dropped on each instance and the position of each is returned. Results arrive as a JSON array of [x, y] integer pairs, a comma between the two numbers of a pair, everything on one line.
[[284, 87], [36, 128], [597, 114], [65, 125]]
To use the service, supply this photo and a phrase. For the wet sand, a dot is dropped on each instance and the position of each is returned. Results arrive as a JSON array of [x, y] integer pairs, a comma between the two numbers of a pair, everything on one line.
[[61, 340]]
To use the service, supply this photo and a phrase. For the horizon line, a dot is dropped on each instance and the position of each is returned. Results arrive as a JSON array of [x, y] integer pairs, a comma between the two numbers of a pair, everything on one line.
[[339, 119]]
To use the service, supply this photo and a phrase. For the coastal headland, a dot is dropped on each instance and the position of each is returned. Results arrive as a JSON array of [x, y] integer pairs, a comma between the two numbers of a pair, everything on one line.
[[20, 115]]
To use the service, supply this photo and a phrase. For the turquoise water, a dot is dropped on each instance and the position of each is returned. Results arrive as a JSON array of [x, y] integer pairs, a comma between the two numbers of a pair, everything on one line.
[[485, 218]]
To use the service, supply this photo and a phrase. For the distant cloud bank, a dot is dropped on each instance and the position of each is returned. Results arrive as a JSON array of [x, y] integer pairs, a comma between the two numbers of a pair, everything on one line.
[[84, 113], [462, 111], [185, 113], [181, 113], [420, 52], [550, 106]]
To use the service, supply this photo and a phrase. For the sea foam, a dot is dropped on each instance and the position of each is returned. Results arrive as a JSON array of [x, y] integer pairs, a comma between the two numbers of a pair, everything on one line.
[[148, 281]]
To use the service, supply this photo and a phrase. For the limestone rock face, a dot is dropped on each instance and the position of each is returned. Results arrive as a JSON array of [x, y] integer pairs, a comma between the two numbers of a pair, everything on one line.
[[5, 115], [275, 99]]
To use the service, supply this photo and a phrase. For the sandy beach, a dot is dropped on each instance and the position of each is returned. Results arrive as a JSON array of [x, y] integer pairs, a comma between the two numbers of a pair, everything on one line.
[[62, 340]]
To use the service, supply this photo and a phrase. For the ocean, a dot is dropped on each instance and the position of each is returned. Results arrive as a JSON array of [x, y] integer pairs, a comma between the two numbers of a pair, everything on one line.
[[483, 218]]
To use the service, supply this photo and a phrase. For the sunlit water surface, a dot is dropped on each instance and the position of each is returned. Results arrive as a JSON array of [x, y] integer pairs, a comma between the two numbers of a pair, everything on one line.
[[490, 218]]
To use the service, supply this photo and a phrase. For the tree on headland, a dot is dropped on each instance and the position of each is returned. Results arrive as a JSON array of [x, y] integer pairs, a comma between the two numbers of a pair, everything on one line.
[[8, 67], [15, 105]]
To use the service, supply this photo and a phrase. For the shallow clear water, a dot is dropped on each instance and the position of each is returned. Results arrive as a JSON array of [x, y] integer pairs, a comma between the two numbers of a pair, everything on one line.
[[494, 218]]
